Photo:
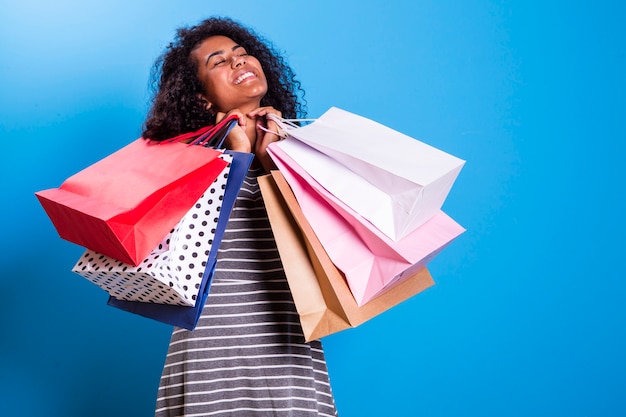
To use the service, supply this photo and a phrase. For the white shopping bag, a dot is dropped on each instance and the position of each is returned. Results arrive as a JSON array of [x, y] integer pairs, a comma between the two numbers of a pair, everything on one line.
[[173, 271], [370, 260], [394, 181]]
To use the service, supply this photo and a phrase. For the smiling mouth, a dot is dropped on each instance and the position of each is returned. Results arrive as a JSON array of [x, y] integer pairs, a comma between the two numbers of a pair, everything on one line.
[[243, 76]]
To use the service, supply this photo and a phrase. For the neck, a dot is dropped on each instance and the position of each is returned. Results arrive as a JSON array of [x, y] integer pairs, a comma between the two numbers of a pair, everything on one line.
[[248, 107]]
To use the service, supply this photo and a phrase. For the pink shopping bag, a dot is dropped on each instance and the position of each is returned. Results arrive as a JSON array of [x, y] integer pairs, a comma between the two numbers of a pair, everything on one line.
[[395, 181], [370, 260]]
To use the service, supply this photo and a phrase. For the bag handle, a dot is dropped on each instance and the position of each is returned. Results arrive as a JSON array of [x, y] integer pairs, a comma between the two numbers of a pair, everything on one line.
[[284, 125], [208, 136], [188, 135], [215, 137]]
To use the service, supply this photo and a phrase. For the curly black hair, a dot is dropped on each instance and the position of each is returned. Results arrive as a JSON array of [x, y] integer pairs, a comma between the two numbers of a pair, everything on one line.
[[176, 105]]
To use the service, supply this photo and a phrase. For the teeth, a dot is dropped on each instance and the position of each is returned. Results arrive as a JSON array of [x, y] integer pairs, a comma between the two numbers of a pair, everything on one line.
[[243, 77]]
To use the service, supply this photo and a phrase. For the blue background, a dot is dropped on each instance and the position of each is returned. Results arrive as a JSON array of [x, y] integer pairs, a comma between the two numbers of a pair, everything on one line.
[[527, 317]]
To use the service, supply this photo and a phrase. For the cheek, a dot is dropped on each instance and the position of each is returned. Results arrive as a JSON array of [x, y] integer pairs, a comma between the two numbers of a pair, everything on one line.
[[263, 82], [214, 88]]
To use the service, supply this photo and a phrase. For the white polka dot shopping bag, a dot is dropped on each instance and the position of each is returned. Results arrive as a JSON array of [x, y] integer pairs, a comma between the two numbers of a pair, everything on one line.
[[187, 316], [172, 273]]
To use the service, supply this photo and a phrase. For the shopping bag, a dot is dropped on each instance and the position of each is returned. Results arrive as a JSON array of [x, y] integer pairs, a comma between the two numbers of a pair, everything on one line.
[[394, 181], [319, 290], [124, 204], [370, 262], [172, 273], [375, 239], [184, 316]]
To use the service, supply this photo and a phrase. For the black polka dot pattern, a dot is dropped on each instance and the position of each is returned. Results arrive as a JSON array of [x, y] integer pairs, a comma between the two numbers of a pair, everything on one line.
[[173, 271]]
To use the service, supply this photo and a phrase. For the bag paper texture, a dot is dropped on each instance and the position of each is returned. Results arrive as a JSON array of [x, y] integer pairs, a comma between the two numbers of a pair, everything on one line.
[[186, 316], [123, 205], [394, 181], [323, 300], [172, 273], [369, 260]]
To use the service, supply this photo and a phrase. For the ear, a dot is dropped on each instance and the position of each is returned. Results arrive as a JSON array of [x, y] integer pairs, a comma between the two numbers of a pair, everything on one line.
[[205, 101]]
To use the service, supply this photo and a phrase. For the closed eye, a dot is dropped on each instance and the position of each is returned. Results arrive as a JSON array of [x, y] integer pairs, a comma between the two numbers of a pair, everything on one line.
[[220, 55]]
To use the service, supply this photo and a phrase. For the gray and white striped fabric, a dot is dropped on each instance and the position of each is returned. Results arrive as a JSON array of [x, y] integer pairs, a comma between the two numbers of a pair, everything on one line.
[[247, 356]]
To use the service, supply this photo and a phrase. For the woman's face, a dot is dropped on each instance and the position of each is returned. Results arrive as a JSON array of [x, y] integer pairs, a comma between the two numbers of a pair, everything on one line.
[[232, 79]]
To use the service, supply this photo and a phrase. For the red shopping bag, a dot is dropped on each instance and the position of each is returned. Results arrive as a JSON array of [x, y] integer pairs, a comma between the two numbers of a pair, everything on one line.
[[123, 205]]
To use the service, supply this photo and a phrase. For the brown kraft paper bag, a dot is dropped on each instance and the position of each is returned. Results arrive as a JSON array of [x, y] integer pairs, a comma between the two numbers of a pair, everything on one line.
[[320, 292]]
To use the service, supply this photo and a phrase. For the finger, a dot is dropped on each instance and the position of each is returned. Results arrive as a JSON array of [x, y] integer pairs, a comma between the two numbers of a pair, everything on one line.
[[237, 140], [241, 118], [272, 125], [265, 136], [275, 127]]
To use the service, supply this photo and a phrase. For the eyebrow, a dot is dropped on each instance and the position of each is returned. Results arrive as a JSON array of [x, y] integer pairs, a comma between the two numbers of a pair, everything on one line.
[[211, 55]]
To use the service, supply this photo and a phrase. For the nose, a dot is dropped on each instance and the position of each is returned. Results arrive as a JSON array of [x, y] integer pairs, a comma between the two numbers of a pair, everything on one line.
[[238, 60]]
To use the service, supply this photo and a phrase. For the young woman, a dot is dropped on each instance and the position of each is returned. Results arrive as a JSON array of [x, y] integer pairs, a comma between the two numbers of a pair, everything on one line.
[[247, 356]]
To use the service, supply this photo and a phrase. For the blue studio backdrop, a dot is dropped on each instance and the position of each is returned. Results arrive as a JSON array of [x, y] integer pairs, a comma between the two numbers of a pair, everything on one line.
[[527, 316]]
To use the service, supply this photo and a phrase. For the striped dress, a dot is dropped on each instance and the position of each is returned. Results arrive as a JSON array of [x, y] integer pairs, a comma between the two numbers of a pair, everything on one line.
[[247, 356]]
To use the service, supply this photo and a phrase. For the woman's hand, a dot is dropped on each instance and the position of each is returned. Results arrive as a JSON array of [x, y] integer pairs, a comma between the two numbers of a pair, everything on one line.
[[248, 135], [237, 139], [263, 137]]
